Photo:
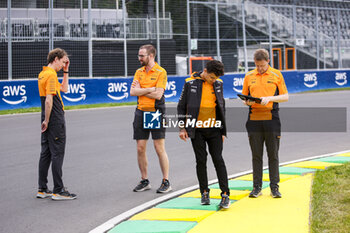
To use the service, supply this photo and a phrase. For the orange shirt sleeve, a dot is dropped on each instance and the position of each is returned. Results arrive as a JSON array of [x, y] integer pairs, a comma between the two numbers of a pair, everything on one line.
[[162, 80], [51, 85], [136, 76], [245, 90], [282, 88]]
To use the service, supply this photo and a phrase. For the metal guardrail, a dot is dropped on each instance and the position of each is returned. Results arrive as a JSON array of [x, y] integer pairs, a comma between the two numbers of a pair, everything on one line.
[[38, 29]]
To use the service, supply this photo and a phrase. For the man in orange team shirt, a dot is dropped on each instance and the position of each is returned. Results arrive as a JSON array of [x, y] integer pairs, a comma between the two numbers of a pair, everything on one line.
[[53, 126], [263, 123], [148, 85]]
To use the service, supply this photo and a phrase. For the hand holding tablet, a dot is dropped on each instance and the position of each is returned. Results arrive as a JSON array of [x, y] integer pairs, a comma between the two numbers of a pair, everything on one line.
[[250, 98]]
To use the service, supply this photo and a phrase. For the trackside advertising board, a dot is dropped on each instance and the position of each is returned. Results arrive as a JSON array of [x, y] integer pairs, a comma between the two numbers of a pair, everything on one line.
[[25, 93]]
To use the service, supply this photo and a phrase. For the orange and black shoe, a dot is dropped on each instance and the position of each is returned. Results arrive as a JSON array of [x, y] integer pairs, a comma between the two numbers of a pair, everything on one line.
[[205, 200], [164, 187], [63, 195], [225, 201], [44, 193]]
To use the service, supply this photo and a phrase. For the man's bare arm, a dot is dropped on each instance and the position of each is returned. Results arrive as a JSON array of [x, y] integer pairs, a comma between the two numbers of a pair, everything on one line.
[[278, 99], [48, 108], [156, 94], [64, 84], [136, 89]]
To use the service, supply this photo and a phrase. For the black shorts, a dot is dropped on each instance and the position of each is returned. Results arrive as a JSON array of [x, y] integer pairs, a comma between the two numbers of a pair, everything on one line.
[[140, 133]]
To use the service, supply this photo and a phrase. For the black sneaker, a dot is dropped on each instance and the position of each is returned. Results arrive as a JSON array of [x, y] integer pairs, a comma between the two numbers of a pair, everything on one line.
[[164, 187], [142, 186], [275, 193], [44, 193], [225, 201], [255, 192], [63, 195], [205, 198]]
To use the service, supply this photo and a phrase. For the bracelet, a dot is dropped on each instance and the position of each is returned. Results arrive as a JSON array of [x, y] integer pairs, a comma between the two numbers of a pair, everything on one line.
[[66, 72]]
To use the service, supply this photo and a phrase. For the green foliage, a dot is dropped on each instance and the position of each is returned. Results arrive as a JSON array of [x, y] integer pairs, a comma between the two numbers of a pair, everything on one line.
[[38, 109], [20, 110], [326, 90]]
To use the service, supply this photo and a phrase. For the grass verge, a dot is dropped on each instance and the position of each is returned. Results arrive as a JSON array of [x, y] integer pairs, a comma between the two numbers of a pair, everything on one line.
[[325, 90], [330, 205], [85, 106]]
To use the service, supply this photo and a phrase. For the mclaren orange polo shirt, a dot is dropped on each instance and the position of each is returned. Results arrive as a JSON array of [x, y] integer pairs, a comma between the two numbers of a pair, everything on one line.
[[270, 83], [48, 85], [156, 77], [208, 103]]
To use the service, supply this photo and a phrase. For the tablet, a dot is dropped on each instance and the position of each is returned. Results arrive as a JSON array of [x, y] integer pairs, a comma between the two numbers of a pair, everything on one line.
[[248, 97]]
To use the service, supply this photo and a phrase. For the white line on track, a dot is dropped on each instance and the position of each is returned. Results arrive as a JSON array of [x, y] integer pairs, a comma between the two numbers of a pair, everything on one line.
[[124, 216]]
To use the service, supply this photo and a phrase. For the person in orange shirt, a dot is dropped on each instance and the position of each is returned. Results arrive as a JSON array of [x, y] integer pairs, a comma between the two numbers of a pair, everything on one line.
[[202, 100], [263, 125], [148, 85], [53, 126]]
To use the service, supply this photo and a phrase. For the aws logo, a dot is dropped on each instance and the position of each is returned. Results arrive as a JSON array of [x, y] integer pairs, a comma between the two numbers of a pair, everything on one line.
[[238, 82], [310, 80], [170, 86], [340, 79], [14, 92], [118, 88], [75, 89]]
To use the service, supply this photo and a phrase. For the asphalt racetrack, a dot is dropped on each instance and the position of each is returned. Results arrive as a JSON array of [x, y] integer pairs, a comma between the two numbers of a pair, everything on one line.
[[100, 164]]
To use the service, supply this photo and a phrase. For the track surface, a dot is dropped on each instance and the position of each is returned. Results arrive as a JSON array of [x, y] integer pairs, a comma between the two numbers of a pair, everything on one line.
[[101, 167]]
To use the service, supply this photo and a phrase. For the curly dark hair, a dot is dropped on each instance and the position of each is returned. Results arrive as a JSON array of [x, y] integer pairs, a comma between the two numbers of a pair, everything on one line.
[[216, 67]]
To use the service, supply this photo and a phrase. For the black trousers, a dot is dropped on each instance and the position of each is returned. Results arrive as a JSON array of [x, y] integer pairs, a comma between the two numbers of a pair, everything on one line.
[[53, 143], [268, 132], [213, 138]]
